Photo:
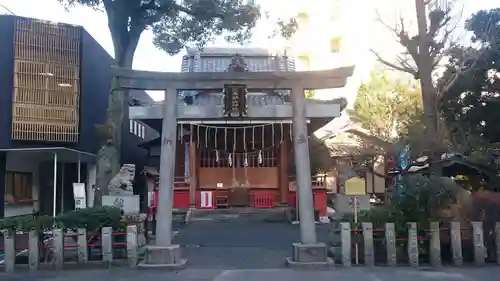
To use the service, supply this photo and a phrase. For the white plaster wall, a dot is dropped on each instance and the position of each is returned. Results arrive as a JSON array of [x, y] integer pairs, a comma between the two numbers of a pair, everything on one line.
[[91, 178], [20, 163]]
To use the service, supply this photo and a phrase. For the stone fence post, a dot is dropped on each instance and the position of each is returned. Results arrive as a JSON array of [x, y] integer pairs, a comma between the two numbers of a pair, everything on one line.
[[9, 238], [412, 248]]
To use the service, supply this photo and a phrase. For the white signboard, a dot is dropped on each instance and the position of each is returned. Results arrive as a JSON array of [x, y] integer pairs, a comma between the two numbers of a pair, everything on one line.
[[206, 199], [79, 195]]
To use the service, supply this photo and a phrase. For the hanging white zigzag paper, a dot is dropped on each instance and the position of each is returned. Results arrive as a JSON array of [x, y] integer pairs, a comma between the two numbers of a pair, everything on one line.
[[260, 157], [245, 161], [230, 160], [217, 156]]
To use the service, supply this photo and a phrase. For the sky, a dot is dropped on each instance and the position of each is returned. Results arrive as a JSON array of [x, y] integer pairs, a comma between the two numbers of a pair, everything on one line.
[[147, 57]]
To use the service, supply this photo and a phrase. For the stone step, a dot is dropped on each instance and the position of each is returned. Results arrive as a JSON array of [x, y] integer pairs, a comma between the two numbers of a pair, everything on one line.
[[235, 214]]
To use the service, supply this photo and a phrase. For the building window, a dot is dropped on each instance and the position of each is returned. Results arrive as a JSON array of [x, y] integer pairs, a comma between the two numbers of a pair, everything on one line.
[[131, 126], [18, 187], [143, 131], [335, 44]]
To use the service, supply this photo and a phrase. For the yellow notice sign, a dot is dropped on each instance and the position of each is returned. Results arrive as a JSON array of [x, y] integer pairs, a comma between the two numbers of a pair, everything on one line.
[[355, 186]]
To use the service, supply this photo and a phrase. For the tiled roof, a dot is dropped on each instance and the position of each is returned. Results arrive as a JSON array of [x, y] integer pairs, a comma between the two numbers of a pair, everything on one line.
[[218, 59]]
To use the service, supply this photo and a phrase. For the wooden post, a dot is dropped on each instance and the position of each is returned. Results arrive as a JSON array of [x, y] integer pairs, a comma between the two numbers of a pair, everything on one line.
[[58, 243], [412, 244], [283, 170], [33, 251], [390, 240], [82, 247], [369, 255], [497, 240], [346, 244], [9, 250], [132, 246], [456, 243], [193, 177], [435, 244], [107, 244], [478, 241]]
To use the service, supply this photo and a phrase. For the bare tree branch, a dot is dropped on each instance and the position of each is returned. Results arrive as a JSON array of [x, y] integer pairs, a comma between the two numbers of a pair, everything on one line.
[[394, 66]]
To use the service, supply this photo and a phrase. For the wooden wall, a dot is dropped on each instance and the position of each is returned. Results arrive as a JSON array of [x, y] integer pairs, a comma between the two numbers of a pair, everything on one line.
[[260, 177]]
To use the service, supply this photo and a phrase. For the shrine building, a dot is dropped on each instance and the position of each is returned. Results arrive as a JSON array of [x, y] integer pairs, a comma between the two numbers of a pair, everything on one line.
[[234, 145]]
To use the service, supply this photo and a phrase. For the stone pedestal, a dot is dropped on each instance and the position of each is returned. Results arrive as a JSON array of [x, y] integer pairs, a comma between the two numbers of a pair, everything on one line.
[[163, 257], [310, 256]]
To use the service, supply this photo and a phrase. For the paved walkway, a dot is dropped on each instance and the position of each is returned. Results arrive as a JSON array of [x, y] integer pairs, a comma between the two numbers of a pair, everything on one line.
[[240, 244]]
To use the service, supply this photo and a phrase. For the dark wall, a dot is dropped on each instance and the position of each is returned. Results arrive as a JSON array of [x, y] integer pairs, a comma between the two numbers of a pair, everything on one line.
[[95, 80], [6, 78], [3, 162]]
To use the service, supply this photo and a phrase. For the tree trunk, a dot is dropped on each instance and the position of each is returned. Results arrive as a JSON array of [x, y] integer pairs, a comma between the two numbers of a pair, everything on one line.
[[108, 157], [429, 95]]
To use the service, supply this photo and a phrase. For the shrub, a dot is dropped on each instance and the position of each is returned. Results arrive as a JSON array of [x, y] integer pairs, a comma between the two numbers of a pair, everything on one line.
[[93, 219], [27, 223]]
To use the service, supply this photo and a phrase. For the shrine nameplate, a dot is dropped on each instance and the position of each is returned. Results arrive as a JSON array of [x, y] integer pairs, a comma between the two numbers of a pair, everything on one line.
[[235, 100]]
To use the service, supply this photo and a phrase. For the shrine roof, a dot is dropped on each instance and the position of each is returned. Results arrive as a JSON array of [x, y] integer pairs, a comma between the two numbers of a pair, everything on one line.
[[230, 51]]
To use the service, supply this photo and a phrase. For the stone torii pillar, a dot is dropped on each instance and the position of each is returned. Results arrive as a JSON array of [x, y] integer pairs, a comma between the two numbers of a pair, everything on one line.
[[164, 254]]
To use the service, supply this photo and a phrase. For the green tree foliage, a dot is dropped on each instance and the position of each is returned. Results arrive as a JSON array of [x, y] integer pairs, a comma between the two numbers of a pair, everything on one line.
[[386, 106], [471, 106], [175, 26]]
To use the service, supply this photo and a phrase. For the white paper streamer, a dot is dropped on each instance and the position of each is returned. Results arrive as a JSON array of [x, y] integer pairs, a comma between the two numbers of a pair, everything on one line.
[[281, 135], [197, 136], [262, 140], [272, 135], [206, 137], [215, 138]]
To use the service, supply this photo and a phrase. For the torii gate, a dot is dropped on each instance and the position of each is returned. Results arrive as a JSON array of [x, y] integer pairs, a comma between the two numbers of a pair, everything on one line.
[[164, 253]]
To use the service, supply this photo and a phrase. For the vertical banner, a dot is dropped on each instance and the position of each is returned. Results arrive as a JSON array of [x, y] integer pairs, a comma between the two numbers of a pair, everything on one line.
[[206, 199], [403, 162]]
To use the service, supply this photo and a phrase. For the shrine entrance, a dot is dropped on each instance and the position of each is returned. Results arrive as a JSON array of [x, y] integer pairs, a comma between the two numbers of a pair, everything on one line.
[[224, 138], [241, 164]]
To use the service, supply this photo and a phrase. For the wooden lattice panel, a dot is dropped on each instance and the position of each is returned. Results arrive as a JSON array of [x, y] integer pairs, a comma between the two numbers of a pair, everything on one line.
[[45, 103]]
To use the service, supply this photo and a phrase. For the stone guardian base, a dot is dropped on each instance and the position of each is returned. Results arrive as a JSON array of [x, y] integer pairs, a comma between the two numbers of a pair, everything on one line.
[[307, 256], [163, 257]]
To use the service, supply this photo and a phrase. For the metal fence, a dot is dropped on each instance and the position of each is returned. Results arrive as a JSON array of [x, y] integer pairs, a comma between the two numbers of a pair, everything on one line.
[[49, 250]]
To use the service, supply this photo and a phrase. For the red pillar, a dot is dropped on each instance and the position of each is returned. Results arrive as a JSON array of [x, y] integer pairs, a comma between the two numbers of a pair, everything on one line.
[[283, 171]]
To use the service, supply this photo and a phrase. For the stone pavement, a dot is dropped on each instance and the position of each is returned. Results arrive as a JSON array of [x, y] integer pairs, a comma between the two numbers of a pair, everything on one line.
[[193, 274], [240, 244]]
